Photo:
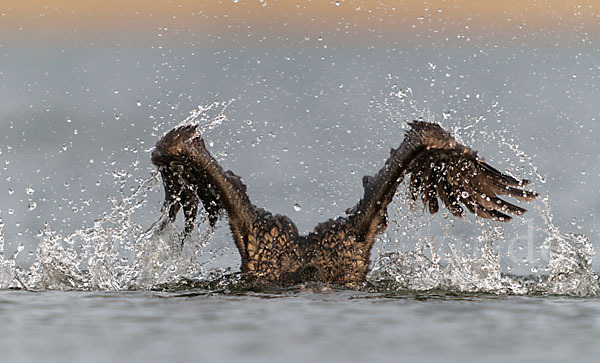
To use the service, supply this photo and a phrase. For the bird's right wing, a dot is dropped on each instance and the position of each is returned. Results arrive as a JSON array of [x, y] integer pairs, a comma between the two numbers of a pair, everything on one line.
[[190, 175]]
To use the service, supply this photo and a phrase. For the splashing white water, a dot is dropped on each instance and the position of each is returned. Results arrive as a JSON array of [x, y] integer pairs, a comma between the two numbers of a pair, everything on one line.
[[6, 265], [116, 253], [413, 270], [207, 117], [570, 271], [571, 266]]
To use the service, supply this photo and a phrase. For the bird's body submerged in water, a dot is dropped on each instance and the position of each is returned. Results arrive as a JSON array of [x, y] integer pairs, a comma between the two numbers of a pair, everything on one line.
[[336, 251]]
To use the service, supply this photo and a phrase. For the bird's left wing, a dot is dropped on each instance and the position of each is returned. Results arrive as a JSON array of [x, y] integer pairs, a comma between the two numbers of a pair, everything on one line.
[[439, 167]]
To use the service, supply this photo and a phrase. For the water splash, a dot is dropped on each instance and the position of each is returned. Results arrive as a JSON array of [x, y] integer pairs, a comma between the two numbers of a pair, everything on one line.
[[115, 253], [7, 267], [118, 253], [207, 117], [571, 266], [9, 277], [415, 271]]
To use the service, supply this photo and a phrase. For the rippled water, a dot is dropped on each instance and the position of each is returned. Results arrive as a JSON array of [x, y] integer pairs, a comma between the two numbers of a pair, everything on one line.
[[294, 327]]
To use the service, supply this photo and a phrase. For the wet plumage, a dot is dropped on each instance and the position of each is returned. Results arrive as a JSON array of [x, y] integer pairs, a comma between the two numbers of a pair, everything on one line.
[[336, 251]]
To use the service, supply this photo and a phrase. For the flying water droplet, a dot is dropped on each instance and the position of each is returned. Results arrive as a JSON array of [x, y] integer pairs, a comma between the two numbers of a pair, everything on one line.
[[297, 207]]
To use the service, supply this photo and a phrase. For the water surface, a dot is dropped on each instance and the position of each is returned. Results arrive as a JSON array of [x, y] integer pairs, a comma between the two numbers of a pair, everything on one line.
[[294, 327]]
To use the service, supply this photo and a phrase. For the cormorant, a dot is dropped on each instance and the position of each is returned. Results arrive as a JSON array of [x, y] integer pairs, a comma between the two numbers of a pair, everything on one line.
[[337, 251]]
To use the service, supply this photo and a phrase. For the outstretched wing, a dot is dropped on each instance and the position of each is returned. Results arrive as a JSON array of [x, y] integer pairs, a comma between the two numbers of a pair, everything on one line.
[[190, 175], [439, 167]]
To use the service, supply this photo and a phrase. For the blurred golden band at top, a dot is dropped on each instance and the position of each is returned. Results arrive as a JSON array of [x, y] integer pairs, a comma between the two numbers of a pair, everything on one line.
[[291, 17]]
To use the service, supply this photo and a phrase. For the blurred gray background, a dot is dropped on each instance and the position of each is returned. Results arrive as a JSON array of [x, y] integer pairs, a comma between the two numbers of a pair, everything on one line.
[[320, 93]]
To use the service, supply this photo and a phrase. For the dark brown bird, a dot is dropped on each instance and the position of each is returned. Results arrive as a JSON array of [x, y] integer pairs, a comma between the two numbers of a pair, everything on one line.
[[337, 251]]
